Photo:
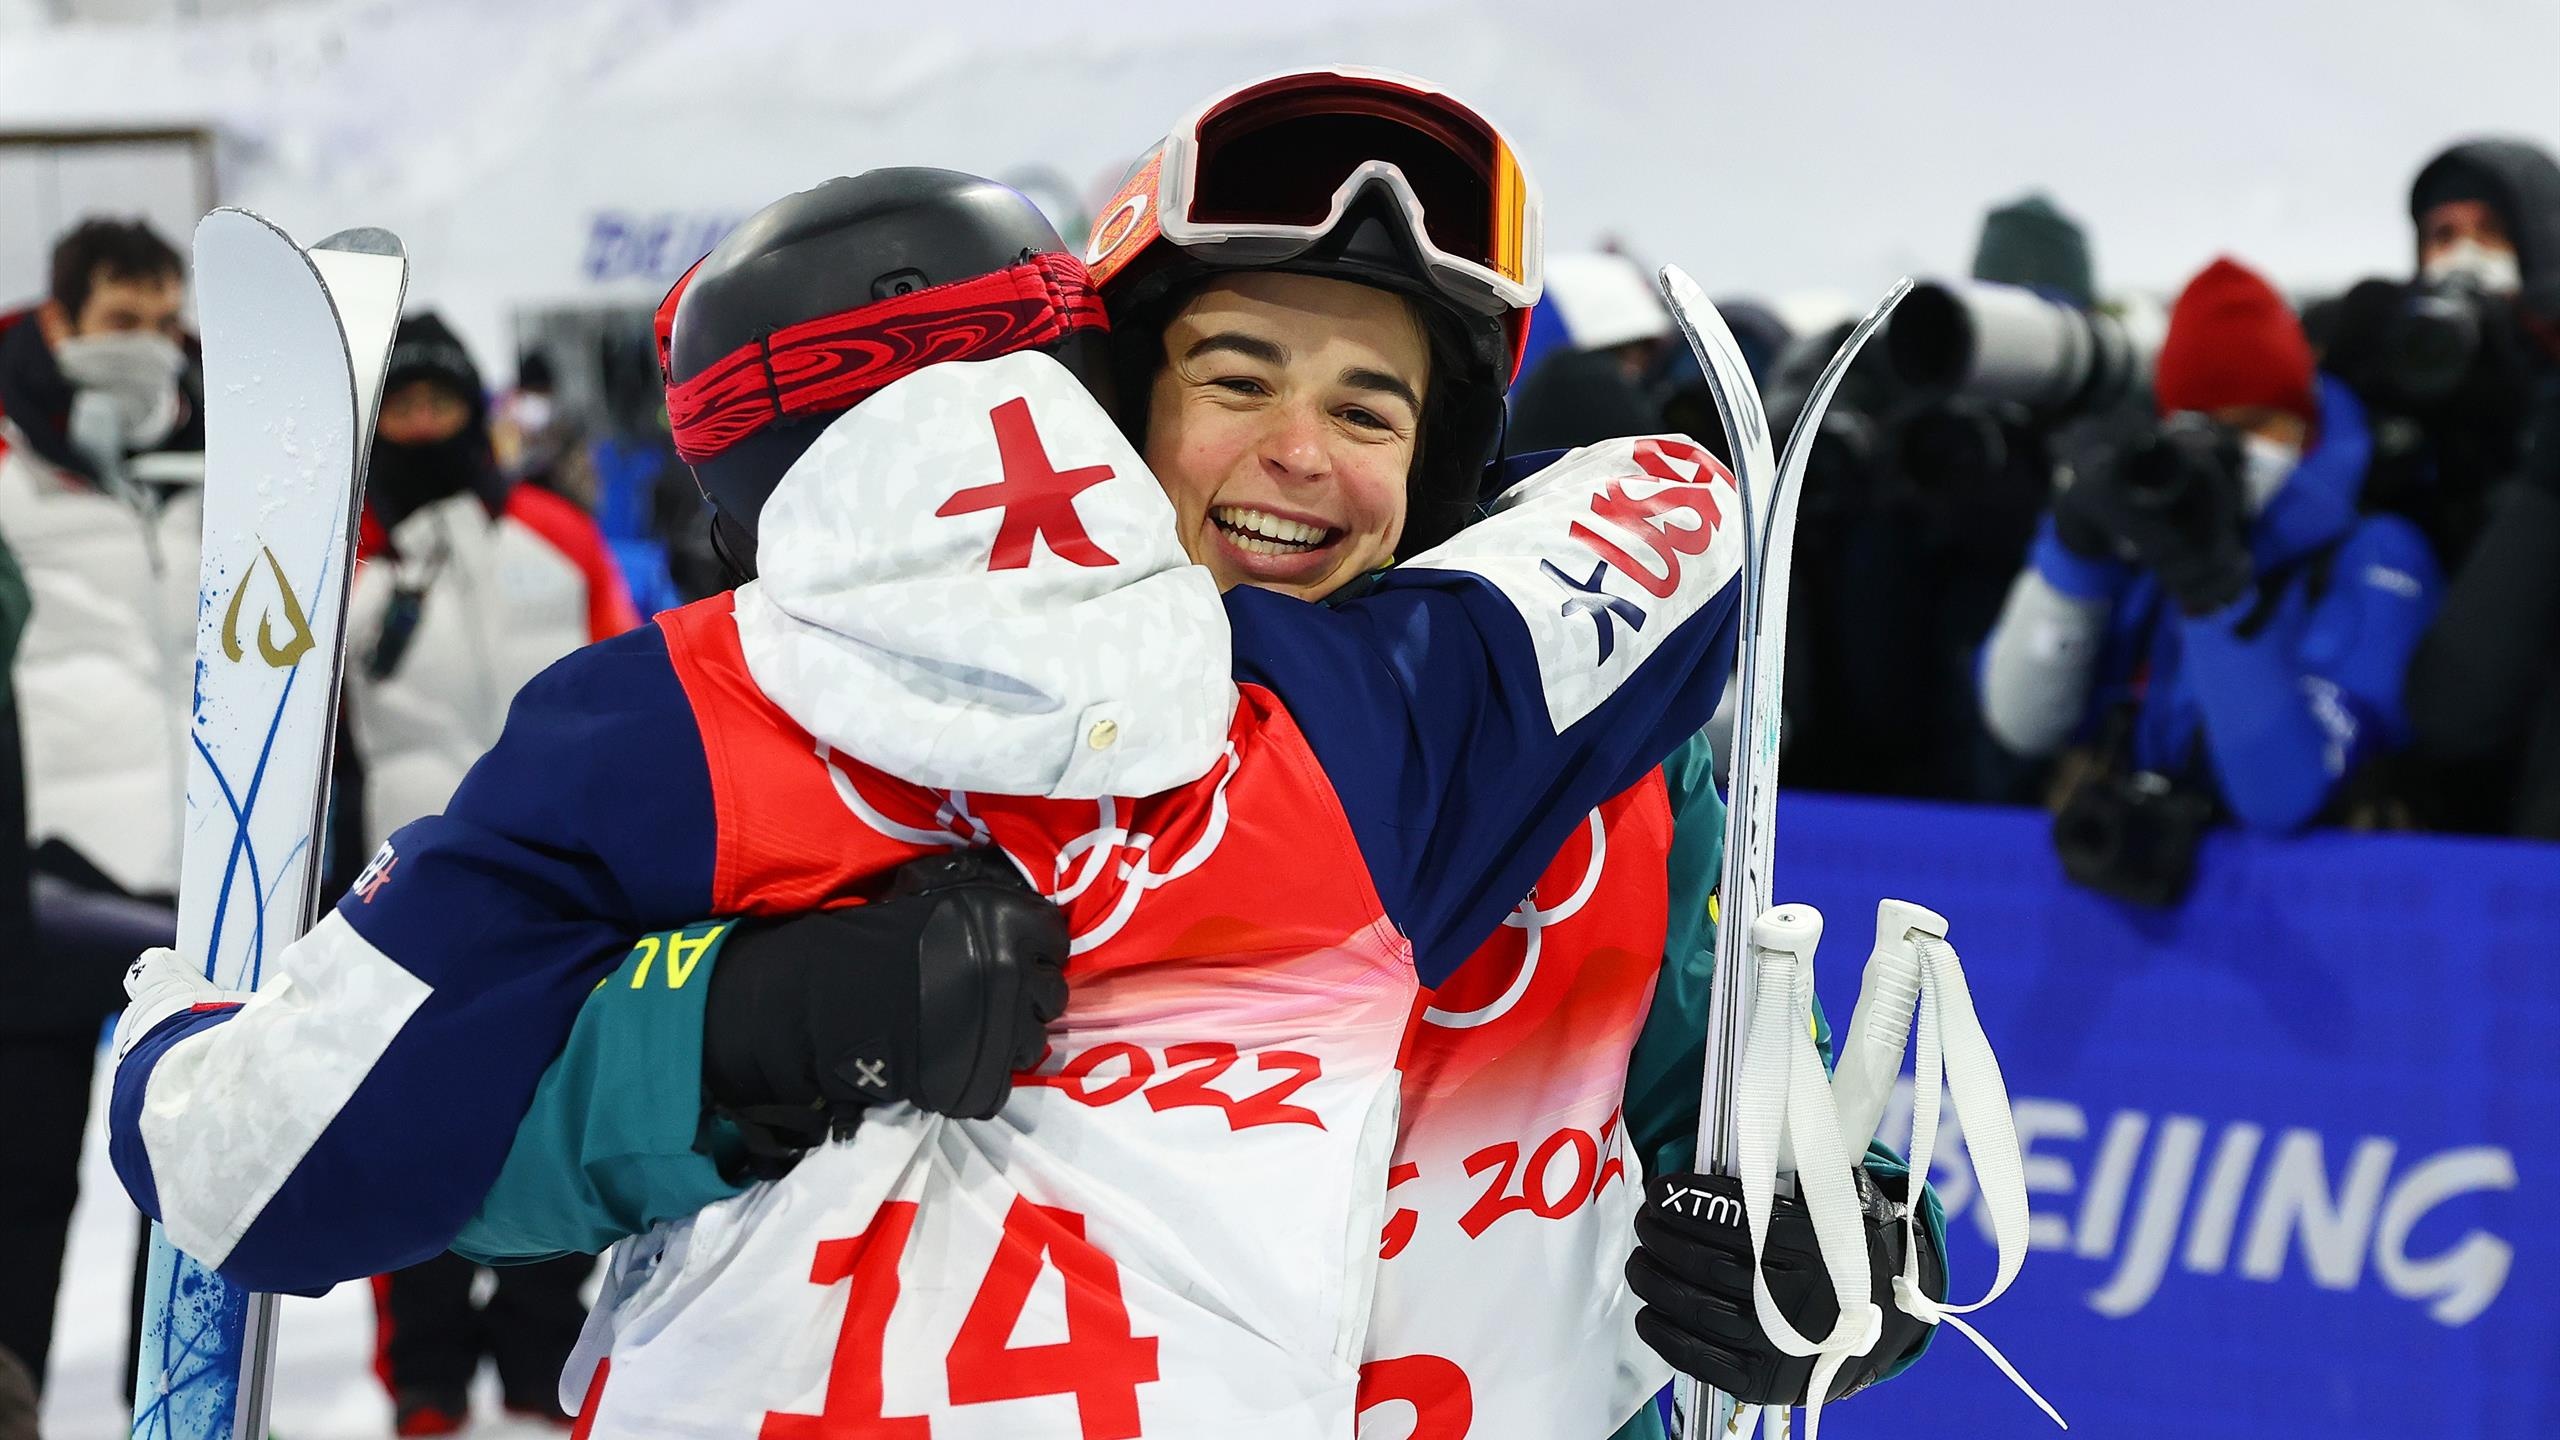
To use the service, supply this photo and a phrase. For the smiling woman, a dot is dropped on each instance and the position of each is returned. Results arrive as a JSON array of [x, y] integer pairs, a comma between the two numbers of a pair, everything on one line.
[[1412, 210], [1284, 424]]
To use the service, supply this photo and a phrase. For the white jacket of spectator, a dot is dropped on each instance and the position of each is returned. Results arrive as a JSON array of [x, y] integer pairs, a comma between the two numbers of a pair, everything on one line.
[[496, 601], [105, 673]]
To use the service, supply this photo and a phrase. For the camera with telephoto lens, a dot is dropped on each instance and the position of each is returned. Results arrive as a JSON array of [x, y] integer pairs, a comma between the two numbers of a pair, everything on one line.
[[2185, 456], [1943, 445], [2133, 835], [2441, 328], [1854, 439], [2006, 343], [2418, 346]]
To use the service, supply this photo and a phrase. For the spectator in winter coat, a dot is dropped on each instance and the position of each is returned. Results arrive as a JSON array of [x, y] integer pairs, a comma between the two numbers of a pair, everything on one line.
[[472, 585], [1918, 507], [2455, 362], [97, 630], [95, 375], [2484, 691], [2216, 586]]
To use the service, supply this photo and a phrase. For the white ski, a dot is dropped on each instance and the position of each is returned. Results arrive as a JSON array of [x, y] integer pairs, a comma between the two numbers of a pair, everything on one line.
[[295, 344], [1765, 1099], [1769, 491]]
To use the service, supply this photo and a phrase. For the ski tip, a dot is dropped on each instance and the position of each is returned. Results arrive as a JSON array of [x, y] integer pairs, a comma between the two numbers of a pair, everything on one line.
[[374, 240], [231, 218], [1676, 284]]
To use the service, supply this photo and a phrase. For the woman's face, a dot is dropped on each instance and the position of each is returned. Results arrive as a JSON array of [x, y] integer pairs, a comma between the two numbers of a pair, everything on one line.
[[1282, 426]]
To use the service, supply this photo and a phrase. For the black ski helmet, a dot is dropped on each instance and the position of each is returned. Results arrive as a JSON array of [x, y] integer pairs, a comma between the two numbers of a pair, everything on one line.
[[1351, 174], [830, 294]]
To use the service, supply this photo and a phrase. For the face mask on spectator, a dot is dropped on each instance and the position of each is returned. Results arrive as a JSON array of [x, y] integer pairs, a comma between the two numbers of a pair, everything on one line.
[[405, 479], [136, 374], [2493, 270], [2264, 467]]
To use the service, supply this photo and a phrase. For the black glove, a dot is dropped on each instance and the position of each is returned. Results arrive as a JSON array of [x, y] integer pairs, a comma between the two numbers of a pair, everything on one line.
[[2079, 524], [1692, 1270], [2360, 336], [2174, 502], [935, 995]]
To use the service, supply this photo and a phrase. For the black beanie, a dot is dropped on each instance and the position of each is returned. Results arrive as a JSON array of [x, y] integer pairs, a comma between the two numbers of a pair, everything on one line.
[[425, 349]]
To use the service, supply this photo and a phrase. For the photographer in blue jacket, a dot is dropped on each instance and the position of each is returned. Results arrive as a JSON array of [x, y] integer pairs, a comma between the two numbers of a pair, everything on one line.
[[2207, 612]]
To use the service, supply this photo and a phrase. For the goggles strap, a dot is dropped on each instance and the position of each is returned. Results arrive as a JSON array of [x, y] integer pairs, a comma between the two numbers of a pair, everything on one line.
[[833, 362]]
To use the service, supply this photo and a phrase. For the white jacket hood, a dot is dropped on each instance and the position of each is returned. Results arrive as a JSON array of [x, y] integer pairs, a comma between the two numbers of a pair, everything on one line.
[[971, 581]]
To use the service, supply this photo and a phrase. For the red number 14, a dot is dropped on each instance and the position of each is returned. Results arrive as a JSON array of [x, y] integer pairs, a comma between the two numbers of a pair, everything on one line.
[[1100, 1362]]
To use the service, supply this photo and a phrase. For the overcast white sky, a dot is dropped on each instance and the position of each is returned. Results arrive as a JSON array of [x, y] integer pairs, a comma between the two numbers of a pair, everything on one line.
[[1767, 148]]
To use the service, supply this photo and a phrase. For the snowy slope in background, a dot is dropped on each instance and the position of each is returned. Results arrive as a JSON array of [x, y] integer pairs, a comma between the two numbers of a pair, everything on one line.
[[1765, 148]]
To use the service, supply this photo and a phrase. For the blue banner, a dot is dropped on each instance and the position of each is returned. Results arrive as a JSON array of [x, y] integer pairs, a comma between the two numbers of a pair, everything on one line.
[[2281, 1142]]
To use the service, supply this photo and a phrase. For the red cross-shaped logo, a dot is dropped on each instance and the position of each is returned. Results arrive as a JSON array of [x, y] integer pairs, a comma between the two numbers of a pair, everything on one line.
[[1037, 498]]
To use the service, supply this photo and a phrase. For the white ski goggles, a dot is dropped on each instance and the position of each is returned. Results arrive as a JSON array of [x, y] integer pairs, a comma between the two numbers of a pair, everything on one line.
[[1265, 172]]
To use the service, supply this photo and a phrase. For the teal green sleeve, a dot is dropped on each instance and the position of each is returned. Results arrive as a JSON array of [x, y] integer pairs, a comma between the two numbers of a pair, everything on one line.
[[618, 1138], [1664, 1070], [1645, 1424]]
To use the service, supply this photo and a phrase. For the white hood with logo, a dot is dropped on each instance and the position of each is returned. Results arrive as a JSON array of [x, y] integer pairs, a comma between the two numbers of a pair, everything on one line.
[[972, 582]]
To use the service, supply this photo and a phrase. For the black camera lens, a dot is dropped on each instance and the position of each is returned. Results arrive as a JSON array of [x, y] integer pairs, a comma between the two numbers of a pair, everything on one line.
[[2183, 455], [1931, 338], [1840, 467], [2155, 472], [1945, 445], [2132, 835], [2007, 344], [2438, 335], [2089, 833]]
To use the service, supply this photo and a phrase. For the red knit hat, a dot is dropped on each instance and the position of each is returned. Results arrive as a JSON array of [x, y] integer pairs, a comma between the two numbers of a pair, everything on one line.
[[2233, 341]]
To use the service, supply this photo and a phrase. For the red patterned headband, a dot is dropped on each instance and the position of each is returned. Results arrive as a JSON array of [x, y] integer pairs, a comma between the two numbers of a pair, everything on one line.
[[821, 366]]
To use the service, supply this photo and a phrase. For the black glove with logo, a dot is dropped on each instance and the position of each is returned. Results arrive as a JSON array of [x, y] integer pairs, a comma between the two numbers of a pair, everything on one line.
[[2174, 503], [1692, 1270], [935, 995]]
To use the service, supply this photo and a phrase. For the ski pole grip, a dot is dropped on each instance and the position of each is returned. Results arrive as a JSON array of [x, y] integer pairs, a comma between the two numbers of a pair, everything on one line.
[[1793, 929], [1895, 962], [1789, 931], [1880, 1028]]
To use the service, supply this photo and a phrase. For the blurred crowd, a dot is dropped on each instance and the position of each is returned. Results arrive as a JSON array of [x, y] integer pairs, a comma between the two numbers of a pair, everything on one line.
[[2261, 560], [482, 565], [2255, 559]]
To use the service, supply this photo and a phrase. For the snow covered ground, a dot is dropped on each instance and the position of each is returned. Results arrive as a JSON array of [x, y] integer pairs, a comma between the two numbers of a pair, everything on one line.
[[324, 1388]]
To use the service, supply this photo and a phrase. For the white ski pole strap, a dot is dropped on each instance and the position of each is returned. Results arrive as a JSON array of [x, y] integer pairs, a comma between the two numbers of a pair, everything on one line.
[[1951, 1036], [1783, 1092]]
